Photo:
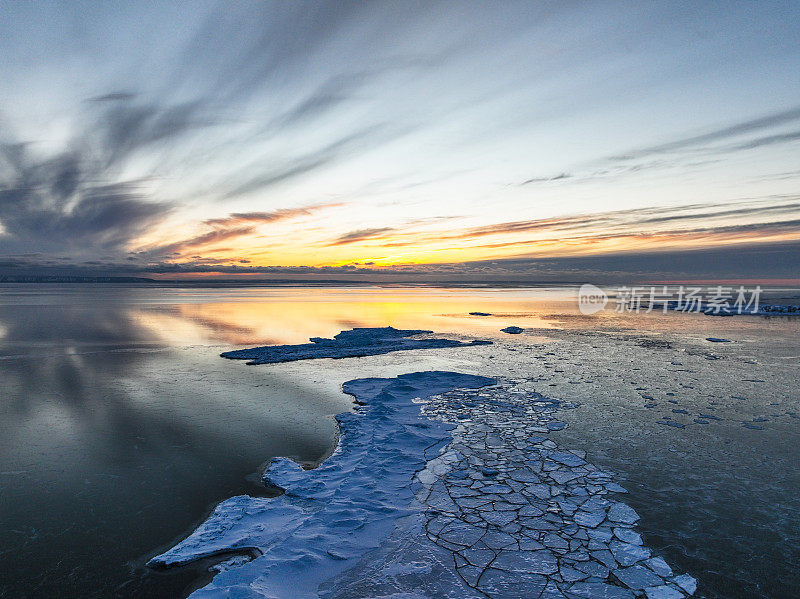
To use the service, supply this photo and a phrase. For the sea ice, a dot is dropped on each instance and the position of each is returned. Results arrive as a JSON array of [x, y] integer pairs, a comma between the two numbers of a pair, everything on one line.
[[599, 590], [330, 517], [663, 592], [512, 330], [354, 343], [415, 503], [686, 582], [637, 577], [620, 512]]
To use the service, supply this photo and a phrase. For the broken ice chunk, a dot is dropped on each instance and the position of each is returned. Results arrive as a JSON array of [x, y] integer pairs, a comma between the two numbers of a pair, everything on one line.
[[620, 512]]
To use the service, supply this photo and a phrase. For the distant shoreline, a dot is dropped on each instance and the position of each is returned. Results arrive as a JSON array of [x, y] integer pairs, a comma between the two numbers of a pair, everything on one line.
[[272, 282]]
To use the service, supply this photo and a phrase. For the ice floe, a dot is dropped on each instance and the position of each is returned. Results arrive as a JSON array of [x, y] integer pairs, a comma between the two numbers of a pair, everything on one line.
[[721, 310], [512, 330], [354, 343]]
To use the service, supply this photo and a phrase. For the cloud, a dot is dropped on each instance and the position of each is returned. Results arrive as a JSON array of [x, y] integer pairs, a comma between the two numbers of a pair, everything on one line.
[[361, 235], [58, 205], [664, 238], [638, 218], [239, 102], [558, 177], [768, 140], [238, 218], [202, 240], [749, 126], [127, 127], [261, 176], [237, 224], [761, 261], [701, 221], [113, 97], [683, 151], [73, 200]]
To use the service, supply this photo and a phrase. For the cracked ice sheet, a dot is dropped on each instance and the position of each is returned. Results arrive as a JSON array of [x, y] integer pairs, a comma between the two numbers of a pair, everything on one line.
[[512, 506]]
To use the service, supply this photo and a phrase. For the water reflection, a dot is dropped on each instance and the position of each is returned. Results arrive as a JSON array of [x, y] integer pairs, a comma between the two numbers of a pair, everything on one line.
[[119, 427]]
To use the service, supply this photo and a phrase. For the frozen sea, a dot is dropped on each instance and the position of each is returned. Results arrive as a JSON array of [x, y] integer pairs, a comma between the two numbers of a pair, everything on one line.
[[122, 427]]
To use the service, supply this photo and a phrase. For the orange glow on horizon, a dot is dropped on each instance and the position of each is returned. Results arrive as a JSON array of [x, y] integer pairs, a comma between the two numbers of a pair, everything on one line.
[[427, 253]]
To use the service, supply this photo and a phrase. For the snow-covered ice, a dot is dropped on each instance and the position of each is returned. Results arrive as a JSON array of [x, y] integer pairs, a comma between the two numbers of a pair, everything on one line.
[[329, 517], [442, 486], [354, 343]]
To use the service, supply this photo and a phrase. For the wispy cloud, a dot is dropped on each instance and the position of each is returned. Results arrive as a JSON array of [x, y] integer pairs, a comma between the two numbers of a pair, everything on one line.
[[259, 177], [700, 221], [684, 151], [362, 235], [558, 177], [233, 226], [768, 140], [113, 97], [199, 241], [238, 218], [722, 134]]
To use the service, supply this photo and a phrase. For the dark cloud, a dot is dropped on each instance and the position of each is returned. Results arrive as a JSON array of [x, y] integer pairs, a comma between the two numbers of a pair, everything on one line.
[[58, 205], [113, 97], [73, 200], [759, 261]]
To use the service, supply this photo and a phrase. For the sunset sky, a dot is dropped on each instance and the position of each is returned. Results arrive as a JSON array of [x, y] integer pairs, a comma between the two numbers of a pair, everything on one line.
[[474, 139]]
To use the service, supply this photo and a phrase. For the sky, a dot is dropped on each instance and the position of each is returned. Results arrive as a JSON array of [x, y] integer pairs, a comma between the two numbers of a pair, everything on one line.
[[475, 140]]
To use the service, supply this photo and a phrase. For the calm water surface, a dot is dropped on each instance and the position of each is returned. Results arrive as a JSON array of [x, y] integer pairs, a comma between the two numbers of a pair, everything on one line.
[[121, 427]]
